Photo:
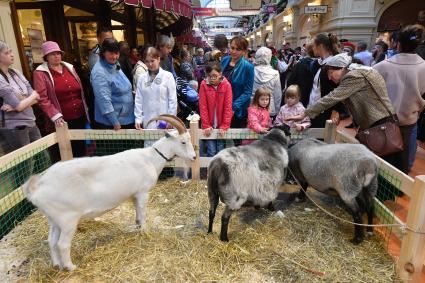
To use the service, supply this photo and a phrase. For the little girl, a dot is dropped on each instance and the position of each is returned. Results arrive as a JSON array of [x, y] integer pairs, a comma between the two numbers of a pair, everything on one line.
[[258, 113], [292, 107], [155, 93], [215, 106]]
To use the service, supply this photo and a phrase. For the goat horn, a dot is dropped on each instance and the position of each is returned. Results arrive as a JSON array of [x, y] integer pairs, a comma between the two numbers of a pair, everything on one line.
[[174, 117], [172, 120]]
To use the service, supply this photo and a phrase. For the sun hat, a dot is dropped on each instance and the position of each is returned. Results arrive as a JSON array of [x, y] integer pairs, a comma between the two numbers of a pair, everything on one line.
[[49, 47], [340, 60]]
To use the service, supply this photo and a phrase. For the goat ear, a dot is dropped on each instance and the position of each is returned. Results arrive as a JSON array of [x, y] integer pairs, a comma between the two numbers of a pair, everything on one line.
[[172, 133]]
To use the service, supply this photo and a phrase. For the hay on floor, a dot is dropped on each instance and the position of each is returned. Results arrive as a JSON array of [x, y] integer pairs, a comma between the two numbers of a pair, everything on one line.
[[301, 245]]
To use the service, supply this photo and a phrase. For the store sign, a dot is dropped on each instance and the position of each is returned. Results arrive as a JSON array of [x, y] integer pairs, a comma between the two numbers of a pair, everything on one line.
[[203, 12], [316, 9], [245, 4]]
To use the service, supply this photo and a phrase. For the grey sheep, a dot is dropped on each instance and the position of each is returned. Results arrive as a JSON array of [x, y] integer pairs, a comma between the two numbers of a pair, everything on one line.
[[350, 170], [250, 174]]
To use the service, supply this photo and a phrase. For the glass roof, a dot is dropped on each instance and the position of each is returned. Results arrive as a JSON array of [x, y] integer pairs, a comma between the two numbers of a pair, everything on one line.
[[215, 3]]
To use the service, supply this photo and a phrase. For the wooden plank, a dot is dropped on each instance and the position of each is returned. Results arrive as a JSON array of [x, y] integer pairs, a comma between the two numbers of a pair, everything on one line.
[[329, 134], [342, 137], [116, 135], [64, 142], [316, 133], [29, 150], [12, 199], [412, 254], [231, 134], [194, 134]]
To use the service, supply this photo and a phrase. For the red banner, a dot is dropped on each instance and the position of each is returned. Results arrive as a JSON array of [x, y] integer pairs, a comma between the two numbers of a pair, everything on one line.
[[159, 5], [146, 3], [167, 6], [132, 2]]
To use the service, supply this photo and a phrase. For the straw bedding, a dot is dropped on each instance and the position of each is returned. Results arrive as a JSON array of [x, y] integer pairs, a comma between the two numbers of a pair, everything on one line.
[[302, 244]]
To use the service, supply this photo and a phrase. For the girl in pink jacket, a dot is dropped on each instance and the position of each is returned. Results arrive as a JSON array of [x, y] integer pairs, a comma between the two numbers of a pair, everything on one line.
[[258, 113], [292, 107]]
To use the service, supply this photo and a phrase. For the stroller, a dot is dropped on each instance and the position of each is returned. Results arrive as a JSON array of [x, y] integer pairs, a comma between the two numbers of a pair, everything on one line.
[[187, 100]]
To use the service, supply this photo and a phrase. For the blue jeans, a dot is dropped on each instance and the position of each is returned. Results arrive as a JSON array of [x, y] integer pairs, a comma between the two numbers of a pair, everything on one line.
[[413, 145], [214, 146]]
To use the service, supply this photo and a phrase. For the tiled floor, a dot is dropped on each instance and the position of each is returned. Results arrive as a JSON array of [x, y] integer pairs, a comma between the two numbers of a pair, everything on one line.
[[402, 203]]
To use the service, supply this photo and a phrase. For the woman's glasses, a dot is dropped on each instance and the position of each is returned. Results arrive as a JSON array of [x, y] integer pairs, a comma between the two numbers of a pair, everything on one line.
[[213, 77]]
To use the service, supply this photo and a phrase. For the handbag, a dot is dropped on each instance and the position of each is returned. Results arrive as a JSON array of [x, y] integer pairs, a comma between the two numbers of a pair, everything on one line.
[[384, 138]]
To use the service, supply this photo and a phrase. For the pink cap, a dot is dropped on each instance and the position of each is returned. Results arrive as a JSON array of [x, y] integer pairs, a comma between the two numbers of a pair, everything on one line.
[[49, 47]]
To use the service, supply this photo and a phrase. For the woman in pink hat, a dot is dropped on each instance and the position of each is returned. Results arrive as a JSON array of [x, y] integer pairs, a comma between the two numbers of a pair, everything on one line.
[[61, 93]]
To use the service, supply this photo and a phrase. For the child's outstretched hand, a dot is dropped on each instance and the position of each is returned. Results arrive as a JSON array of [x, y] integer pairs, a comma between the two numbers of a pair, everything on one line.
[[222, 132], [264, 131], [299, 128], [208, 131]]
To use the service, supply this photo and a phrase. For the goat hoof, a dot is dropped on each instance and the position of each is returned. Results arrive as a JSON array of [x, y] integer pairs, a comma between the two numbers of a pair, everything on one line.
[[224, 239], [369, 233], [356, 241], [70, 267]]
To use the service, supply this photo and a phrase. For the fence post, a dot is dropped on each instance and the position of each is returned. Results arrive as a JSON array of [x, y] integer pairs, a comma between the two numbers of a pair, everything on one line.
[[194, 134], [64, 141], [330, 132], [412, 254]]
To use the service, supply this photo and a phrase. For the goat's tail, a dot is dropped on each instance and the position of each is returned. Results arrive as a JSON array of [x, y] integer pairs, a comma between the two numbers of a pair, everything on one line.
[[30, 186]]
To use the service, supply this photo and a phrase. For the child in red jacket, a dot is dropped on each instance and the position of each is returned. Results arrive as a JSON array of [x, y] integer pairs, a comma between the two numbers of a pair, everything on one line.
[[215, 106]]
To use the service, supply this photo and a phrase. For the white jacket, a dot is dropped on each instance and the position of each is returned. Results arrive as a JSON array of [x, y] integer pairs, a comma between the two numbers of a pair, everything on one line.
[[267, 77], [404, 75], [155, 98]]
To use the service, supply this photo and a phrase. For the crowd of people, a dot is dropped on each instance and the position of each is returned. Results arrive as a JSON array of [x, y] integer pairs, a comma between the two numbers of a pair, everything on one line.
[[230, 86]]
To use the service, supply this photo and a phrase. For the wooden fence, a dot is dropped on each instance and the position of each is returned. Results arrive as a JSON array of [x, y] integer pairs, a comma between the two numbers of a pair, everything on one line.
[[412, 255]]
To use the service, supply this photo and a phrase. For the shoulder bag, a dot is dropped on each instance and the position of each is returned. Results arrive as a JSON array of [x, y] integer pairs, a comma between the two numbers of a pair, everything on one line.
[[385, 138]]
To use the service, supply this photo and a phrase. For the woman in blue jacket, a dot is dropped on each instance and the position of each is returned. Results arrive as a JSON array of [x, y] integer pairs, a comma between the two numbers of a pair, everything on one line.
[[114, 103], [240, 73]]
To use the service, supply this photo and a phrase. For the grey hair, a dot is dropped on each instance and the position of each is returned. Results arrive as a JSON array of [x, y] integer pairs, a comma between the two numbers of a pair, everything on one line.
[[164, 40], [3, 46]]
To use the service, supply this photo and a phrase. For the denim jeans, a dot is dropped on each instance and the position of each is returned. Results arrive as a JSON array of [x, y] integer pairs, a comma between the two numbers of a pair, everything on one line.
[[413, 145], [213, 146]]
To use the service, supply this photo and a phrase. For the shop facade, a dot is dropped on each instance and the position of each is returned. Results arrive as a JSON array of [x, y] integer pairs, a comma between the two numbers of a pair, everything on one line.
[[354, 20], [73, 24]]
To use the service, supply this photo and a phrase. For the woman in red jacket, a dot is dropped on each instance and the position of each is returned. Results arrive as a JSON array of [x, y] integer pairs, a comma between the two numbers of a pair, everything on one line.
[[215, 106], [61, 94]]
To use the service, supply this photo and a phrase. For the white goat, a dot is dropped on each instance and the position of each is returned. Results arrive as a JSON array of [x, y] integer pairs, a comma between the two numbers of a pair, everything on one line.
[[89, 187]]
